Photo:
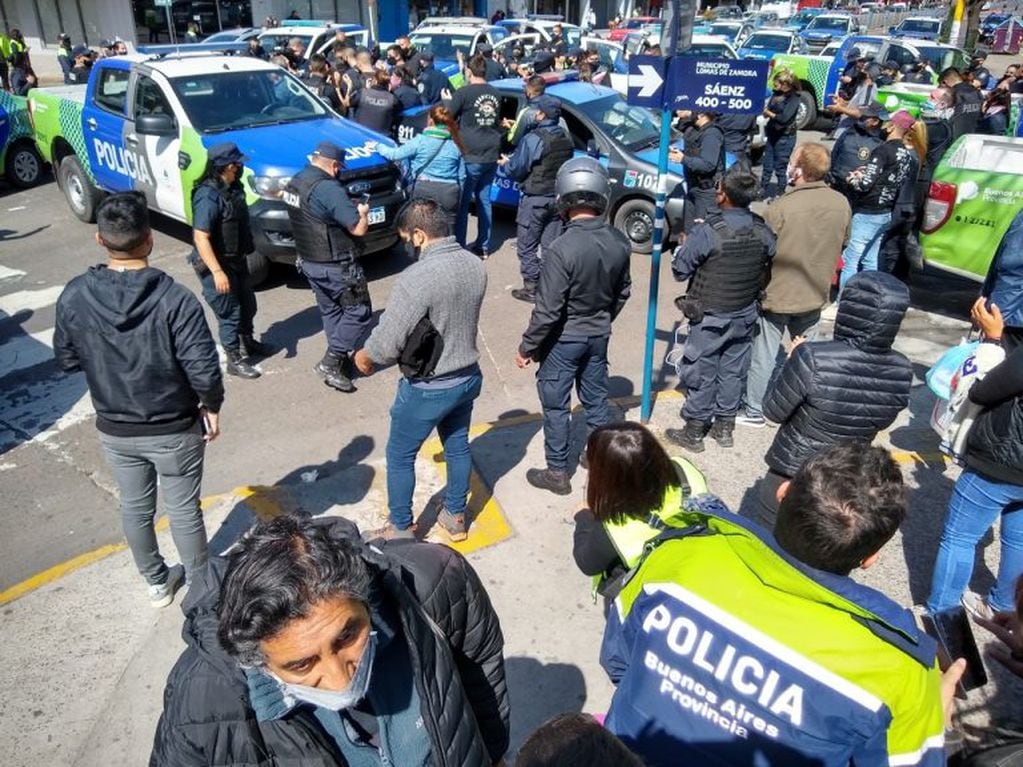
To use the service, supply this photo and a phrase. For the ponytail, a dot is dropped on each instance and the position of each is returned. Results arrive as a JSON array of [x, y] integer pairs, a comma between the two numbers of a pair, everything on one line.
[[441, 116], [916, 137]]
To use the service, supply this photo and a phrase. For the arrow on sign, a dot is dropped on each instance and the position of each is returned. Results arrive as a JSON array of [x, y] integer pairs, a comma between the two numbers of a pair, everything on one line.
[[648, 81]]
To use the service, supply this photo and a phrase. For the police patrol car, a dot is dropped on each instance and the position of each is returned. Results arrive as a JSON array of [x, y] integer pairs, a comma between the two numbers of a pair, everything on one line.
[[317, 36], [144, 122], [20, 163]]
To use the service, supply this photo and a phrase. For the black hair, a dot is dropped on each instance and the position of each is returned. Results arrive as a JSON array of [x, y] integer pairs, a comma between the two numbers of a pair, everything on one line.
[[280, 570], [396, 49], [536, 84], [122, 221], [629, 472], [739, 186], [318, 63], [426, 216], [478, 66], [843, 505], [403, 72], [574, 740]]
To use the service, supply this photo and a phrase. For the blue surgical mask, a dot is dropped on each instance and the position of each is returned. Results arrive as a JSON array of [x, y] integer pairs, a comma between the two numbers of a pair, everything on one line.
[[346, 698]]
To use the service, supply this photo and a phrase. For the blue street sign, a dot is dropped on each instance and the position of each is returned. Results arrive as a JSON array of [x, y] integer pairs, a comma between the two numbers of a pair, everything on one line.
[[729, 86], [646, 81]]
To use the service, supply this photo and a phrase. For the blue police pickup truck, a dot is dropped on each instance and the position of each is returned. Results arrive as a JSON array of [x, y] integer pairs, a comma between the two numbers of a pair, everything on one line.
[[144, 122]]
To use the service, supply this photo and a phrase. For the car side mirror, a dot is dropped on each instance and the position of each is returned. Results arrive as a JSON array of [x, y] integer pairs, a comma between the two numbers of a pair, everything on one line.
[[891, 30], [155, 125], [592, 149]]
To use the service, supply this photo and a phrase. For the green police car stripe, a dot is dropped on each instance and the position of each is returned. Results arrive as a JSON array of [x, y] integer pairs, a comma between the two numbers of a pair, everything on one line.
[[810, 69]]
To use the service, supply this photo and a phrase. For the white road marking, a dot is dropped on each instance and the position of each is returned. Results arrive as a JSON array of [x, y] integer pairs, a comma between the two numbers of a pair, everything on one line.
[[9, 274], [20, 207], [25, 351], [29, 299]]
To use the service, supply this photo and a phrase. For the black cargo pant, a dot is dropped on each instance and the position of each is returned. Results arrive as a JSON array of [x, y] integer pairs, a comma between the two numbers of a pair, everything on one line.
[[700, 203], [235, 309], [343, 298]]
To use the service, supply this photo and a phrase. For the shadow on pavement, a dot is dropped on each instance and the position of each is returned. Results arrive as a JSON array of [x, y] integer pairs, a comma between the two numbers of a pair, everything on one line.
[[539, 691], [942, 293]]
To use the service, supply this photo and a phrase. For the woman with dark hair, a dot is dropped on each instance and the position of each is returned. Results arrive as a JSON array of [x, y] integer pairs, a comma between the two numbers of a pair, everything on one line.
[[436, 158], [375, 106], [634, 491]]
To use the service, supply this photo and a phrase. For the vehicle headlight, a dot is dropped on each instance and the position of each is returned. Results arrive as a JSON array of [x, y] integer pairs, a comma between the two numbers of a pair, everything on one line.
[[269, 186]]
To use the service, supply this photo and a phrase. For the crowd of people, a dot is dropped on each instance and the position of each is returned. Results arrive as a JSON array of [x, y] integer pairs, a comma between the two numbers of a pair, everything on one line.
[[314, 642]]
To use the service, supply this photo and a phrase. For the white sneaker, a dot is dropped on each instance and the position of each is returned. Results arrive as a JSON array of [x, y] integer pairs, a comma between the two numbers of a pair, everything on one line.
[[977, 606], [745, 418], [162, 594], [830, 312]]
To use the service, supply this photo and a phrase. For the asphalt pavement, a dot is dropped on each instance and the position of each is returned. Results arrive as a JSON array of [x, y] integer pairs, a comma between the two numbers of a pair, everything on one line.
[[84, 657]]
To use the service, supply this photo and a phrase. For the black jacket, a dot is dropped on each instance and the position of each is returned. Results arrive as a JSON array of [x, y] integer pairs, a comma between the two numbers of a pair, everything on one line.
[[144, 345], [851, 151], [846, 389], [207, 719], [995, 444], [584, 283], [377, 109]]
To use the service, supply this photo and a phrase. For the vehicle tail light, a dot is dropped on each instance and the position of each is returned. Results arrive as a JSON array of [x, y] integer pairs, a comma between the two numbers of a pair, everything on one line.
[[941, 199]]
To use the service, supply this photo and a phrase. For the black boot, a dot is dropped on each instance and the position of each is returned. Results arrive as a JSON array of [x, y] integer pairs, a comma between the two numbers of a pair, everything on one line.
[[721, 431], [330, 370], [238, 366], [550, 479], [254, 348], [690, 437], [526, 293]]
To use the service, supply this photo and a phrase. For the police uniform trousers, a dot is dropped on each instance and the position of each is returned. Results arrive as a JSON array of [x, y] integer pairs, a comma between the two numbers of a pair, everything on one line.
[[715, 361], [573, 360], [343, 297], [235, 309], [538, 225], [700, 203]]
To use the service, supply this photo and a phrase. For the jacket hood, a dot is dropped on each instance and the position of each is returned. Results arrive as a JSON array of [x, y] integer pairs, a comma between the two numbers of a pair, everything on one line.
[[870, 311], [125, 299]]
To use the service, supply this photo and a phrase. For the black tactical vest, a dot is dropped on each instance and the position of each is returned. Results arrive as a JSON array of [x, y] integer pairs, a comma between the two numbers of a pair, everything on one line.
[[694, 141], [315, 239], [233, 237], [557, 150], [967, 102], [734, 275]]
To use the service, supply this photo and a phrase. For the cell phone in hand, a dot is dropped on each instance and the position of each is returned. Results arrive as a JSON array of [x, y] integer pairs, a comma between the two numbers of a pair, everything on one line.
[[364, 199], [951, 628]]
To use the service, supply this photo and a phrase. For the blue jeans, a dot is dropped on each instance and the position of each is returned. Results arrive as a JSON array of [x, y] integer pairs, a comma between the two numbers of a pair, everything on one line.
[[414, 415], [479, 176], [766, 344], [860, 254], [976, 503], [580, 361], [776, 163]]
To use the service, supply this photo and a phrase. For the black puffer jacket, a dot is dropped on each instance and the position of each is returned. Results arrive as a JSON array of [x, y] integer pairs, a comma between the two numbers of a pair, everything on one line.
[[846, 389], [207, 719], [995, 445]]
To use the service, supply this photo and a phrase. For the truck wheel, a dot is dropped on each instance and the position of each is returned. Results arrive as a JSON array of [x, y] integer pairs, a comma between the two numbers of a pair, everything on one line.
[[259, 268], [635, 218], [807, 114], [24, 166], [82, 196]]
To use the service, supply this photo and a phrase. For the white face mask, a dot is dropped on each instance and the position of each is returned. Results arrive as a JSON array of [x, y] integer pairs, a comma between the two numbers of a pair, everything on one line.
[[346, 698], [792, 174]]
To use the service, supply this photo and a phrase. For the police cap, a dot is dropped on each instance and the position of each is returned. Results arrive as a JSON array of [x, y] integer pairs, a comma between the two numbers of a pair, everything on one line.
[[549, 105], [225, 153], [329, 151]]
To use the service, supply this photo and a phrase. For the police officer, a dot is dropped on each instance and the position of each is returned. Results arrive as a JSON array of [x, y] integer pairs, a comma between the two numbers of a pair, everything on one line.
[[538, 156], [583, 286], [223, 237], [726, 260], [853, 148], [966, 102], [703, 162], [326, 225], [738, 130], [431, 82]]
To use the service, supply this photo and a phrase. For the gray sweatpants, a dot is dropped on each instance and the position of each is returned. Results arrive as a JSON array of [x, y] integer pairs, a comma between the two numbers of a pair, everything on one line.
[[177, 460]]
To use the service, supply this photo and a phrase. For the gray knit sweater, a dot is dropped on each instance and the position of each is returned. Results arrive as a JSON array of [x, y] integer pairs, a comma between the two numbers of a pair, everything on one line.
[[447, 283]]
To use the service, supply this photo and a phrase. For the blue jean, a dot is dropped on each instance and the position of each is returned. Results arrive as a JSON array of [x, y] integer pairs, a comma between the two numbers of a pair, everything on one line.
[[414, 415], [860, 255], [575, 361], [479, 176], [976, 502], [776, 163], [766, 344]]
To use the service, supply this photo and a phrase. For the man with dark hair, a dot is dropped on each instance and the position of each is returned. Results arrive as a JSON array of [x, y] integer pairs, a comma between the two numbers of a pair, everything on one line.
[[326, 226], [538, 157], [853, 148], [574, 740], [779, 658], [967, 102], [477, 107], [154, 377], [316, 77], [430, 329], [307, 646], [726, 260], [223, 237], [583, 287], [703, 163], [432, 83], [535, 86], [494, 71], [374, 106]]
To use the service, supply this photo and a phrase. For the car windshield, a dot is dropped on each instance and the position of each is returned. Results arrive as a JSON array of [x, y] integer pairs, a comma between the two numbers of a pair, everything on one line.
[[942, 58], [220, 101], [572, 37], [708, 50], [919, 25], [995, 19], [824, 24], [767, 42], [631, 126], [443, 46], [280, 41], [724, 30]]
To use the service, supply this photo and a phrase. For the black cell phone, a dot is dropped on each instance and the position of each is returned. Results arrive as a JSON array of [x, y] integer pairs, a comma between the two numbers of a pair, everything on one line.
[[365, 198], [951, 628]]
